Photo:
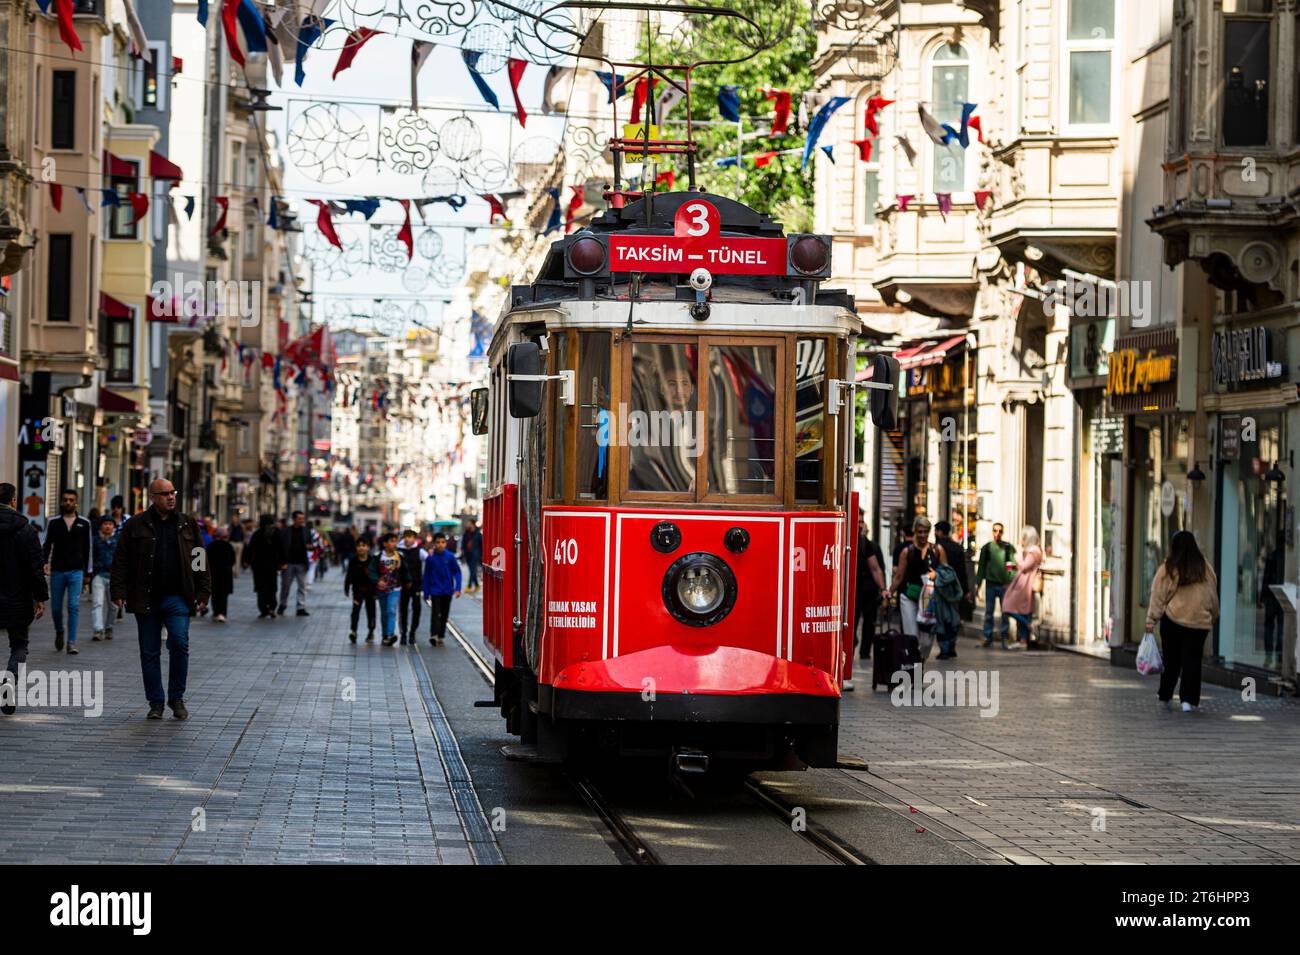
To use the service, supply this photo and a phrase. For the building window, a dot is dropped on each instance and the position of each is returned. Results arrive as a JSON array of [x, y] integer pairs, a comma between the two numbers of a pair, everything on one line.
[[236, 162], [150, 95], [1089, 45], [250, 240], [250, 169], [1022, 64], [121, 349], [1183, 134], [949, 88], [63, 110], [59, 288], [1247, 53], [122, 224]]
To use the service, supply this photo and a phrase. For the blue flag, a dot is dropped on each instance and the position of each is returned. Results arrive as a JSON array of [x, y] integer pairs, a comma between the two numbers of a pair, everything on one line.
[[273, 221], [830, 152], [189, 207], [203, 11], [729, 103], [254, 27], [44, 5], [726, 161], [612, 80], [308, 33], [110, 198], [471, 58], [367, 207], [964, 136], [818, 124], [554, 222]]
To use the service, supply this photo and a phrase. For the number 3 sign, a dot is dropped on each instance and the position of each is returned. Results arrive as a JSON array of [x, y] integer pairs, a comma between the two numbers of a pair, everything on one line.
[[696, 219]]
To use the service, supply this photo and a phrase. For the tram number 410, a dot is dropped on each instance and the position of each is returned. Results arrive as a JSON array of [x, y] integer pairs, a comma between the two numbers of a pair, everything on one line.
[[566, 551], [831, 557]]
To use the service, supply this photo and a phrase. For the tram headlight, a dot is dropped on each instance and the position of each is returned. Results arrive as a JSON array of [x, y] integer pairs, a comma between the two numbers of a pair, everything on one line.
[[699, 589], [587, 255], [809, 255]]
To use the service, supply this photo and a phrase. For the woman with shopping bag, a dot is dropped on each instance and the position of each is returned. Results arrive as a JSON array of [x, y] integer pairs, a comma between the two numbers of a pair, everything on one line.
[[914, 583], [1018, 600], [1185, 601]]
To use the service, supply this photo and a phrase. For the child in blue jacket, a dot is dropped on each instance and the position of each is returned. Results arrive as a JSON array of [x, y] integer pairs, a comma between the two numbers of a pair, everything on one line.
[[441, 583]]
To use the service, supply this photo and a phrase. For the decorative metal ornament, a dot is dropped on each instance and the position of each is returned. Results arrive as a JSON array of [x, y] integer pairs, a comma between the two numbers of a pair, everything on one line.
[[328, 142], [442, 18], [408, 142], [491, 43], [440, 181], [428, 244], [460, 138], [415, 279]]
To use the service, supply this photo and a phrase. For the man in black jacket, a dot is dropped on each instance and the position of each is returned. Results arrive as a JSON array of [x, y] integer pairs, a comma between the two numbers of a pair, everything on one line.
[[69, 553], [22, 599], [292, 545], [160, 573]]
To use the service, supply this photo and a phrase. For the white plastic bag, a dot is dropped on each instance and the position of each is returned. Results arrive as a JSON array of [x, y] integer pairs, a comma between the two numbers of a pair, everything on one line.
[[925, 605], [1149, 660]]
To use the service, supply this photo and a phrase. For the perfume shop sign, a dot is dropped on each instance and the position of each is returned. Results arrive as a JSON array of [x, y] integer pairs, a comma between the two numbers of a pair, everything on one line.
[[1243, 356], [1141, 374]]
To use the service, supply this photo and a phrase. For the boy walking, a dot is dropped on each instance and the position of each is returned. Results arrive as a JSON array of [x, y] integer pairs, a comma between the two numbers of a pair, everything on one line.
[[362, 581], [441, 583], [392, 575], [413, 566], [101, 613]]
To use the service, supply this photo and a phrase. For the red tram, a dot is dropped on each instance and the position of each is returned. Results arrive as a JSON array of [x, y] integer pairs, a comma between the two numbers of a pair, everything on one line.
[[669, 529]]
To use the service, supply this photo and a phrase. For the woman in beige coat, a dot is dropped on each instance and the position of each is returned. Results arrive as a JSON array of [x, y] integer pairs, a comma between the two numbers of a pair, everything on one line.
[[1185, 600]]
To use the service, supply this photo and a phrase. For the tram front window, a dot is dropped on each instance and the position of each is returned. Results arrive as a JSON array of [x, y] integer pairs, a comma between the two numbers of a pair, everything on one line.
[[663, 435], [742, 413]]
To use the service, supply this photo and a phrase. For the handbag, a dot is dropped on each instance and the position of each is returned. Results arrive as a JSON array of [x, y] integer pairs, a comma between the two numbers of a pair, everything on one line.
[[912, 592]]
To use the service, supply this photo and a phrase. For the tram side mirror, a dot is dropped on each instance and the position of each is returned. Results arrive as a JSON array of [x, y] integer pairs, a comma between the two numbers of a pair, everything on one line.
[[884, 403], [524, 361], [478, 411]]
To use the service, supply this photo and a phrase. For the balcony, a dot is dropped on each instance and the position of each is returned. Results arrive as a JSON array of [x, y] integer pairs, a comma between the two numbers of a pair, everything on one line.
[[926, 261]]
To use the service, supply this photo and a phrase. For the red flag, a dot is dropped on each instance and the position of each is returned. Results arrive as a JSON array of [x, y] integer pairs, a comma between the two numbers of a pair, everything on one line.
[[575, 203], [56, 196], [874, 105], [764, 159], [268, 360], [228, 14], [781, 105], [864, 148], [497, 208], [325, 223], [224, 203], [355, 41], [975, 124], [640, 93], [903, 201], [981, 197], [67, 32], [140, 203], [404, 235], [516, 69], [666, 179]]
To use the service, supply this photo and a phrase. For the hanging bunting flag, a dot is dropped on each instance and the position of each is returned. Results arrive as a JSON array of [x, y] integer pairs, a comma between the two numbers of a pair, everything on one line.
[[558, 80], [351, 47], [781, 110], [420, 50], [367, 207], [497, 208], [139, 204], [908, 149], [308, 34], [614, 84], [554, 222], [56, 196], [404, 235], [864, 148], [229, 12], [874, 105], [325, 223], [67, 30], [964, 136], [977, 124], [764, 159], [944, 199], [471, 58], [109, 197], [981, 197], [729, 103], [726, 161], [575, 203], [254, 26], [938, 135], [277, 35], [223, 203], [203, 11], [273, 220], [139, 42], [830, 152], [666, 179], [903, 201], [81, 194], [189, 207], [516, 68], [818, 124], [640, 94], [668, 98]]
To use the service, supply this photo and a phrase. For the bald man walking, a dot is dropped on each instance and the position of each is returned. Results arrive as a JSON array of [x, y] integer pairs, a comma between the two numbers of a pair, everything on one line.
[[160, 574]]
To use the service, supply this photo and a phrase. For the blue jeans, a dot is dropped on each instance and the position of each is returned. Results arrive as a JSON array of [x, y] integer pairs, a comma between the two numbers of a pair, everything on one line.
[[1022, 625], [993, 597], [69, 581], [472, 565], [388, 611], [174, 614]]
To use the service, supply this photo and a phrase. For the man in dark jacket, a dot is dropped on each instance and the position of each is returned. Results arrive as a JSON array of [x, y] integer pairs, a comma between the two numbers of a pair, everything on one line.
[[23, 597], [160, 573], [956, 555], [69, 550], [408, 619], [294, 545], [471, 549]]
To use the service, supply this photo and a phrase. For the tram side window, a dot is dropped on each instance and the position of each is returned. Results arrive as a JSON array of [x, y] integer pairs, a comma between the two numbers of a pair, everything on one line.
[[593, 416], [809, 418], [663, 435], [560, 417], [742, 425]]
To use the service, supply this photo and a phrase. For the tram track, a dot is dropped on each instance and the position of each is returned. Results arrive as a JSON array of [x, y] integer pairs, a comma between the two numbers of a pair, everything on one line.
[[634, 847]]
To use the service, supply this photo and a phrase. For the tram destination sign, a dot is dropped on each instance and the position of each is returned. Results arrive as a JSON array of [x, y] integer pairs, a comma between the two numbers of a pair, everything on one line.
[[697, 243]]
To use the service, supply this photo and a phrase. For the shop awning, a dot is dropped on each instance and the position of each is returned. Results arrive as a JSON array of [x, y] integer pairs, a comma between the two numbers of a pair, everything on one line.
[[160, 167], [928, 353], [159, 309], [117, 166], [115, 403], [114, 308]]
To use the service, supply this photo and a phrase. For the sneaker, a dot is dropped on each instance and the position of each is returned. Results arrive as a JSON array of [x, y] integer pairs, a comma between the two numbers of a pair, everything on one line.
[[352, 636], [179, 711], [1013, 646], [370, 637], [72, 649], [58, 639], [108, 634], [281, 609], [303, 613], [96, 636], [220, 618], [848, 686], [155, 711], [1189, 707]]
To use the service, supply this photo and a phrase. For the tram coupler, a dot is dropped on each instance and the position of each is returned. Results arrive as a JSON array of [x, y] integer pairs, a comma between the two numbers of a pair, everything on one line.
[[690, 761]]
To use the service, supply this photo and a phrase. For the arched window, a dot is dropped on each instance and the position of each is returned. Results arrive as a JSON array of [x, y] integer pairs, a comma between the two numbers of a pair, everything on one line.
[[949, 88]]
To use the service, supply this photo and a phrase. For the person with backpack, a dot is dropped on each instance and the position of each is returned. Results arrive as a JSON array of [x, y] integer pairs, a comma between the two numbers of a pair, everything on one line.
[[1185, 602], [996, 569], [915, 567], [22, 599]]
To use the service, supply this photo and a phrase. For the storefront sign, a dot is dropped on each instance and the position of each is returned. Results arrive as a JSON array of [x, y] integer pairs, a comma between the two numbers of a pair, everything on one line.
[[1090, 348], [1141, 373], [1243, 356], [1230, 437], [1132, 372]]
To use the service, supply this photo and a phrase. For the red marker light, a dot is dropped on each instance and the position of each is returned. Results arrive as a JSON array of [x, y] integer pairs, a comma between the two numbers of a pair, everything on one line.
[[809, 255], [586, 255]]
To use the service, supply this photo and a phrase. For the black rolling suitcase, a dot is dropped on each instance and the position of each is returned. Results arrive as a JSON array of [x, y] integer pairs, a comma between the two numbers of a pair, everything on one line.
[[889, 650]]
